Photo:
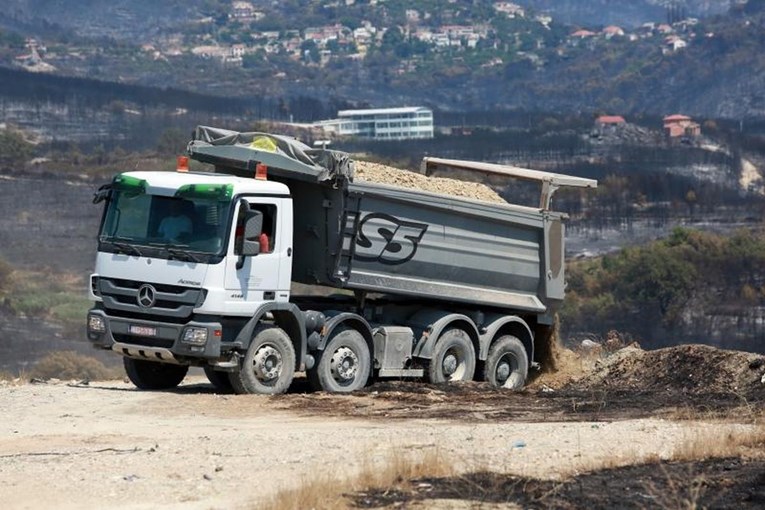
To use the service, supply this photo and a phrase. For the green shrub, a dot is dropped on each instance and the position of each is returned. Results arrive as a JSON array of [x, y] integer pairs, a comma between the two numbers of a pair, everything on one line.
[[73, 310], [37, 304], [653, 285]]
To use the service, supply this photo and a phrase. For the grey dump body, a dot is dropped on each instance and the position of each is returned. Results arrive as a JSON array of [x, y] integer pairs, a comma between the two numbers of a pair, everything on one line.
[[374, 238]]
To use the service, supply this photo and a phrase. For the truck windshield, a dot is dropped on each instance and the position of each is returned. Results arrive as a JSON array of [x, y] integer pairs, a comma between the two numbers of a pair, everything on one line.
[[187, 223]]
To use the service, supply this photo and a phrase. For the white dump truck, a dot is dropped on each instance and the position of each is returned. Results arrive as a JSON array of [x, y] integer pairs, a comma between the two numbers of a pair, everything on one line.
[[200, 269]]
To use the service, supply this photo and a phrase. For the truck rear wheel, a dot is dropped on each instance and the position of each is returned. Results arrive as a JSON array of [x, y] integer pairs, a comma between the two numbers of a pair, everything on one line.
[[219, 380], [507, 365], [453, 358], [269, 365], [152, 375], [344, 365]]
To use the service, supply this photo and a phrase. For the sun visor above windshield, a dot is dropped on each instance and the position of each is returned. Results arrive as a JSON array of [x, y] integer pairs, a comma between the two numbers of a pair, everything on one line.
[[239, 153]]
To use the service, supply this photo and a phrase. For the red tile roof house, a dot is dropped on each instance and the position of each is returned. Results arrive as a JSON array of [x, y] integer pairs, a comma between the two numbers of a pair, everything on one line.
[[612, 31], [677, 125], [610, 119], [609, 123]]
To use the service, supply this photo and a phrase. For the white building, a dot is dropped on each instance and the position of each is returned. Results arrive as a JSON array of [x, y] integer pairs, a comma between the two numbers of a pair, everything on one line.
[[387, 123], [383, 123]]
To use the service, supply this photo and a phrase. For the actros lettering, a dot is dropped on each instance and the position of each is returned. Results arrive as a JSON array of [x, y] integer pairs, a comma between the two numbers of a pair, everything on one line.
[[387, 239]]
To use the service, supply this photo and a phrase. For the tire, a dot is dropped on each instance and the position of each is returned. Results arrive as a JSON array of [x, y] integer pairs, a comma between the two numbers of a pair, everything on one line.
[[269, 365], [152, 375], [344, 365], [507, 365], [220, 380], [453, 358]]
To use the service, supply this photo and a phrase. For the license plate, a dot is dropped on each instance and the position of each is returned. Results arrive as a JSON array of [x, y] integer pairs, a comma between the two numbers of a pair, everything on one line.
[[142, 330]]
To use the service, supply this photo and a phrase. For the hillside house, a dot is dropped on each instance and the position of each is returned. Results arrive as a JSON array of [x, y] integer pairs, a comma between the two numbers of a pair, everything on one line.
[[583, 34], [238, 50], [363, 35], [613, 31], [665, 29], [512, 10], [581, 37], [245, 11], [322, 35], [681, 126], [210, 51], [606, 124], [674, 43]]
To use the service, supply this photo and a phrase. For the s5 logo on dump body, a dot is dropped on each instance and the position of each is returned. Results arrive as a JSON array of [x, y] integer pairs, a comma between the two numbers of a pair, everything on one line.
[[388, 240]]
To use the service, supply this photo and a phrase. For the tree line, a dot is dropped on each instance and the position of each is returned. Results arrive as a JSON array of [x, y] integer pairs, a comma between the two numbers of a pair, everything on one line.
[[691, 286]]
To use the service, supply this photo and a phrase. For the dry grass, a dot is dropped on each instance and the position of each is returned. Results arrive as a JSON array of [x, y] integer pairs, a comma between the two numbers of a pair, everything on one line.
[[70, 365], [678, 495], [328, 490], [747, 412], [11, 379], [714, 443]]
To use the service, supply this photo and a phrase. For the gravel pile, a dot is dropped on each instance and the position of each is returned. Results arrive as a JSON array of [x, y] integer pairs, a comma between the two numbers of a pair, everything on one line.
[[382, 174]]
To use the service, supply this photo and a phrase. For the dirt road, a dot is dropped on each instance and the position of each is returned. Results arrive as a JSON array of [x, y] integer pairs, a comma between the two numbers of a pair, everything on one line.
[[107, 445]]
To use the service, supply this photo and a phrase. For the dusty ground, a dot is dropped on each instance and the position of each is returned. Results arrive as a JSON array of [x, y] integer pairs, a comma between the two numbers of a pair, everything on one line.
[[107, 445]]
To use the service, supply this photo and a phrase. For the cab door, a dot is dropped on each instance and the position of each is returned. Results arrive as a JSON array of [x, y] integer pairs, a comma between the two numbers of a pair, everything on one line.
[[259, 277]]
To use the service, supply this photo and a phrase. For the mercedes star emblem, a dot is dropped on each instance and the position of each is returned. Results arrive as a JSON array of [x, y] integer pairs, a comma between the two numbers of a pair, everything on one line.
[[147, 296]]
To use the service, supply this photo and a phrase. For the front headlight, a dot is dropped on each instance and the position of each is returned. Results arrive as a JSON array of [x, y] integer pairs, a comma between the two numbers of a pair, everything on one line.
[[195, 336], [96, 324]]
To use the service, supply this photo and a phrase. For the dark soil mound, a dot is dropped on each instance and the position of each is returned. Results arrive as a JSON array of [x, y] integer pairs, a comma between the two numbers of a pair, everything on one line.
[[689, 369]]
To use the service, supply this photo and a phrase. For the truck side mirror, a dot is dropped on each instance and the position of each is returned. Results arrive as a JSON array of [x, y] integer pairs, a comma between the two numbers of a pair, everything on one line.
[[103, 193], [253, 227]]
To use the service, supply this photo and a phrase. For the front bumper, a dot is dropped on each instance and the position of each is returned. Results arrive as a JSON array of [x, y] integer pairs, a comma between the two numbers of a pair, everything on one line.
[[161, 341]]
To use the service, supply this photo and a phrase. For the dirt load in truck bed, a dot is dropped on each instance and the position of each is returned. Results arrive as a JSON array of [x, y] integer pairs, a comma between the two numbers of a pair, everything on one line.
[[383, 174]]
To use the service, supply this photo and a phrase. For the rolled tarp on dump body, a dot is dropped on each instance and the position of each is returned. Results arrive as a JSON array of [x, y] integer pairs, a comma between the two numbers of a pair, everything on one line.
[[285, 157]]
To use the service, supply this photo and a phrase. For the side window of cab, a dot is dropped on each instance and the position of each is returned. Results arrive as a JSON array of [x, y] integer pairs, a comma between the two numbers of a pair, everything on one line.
[[267, 236]]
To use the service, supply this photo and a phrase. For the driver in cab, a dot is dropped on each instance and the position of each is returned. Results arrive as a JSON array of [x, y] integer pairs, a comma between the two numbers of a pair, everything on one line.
[[178, 224]]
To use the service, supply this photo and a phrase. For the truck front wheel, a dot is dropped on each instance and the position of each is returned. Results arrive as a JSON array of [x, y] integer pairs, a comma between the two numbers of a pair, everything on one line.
[[219, 380], [344, 365], [507, 365], [453, 358], [152, 375], [269, 365]]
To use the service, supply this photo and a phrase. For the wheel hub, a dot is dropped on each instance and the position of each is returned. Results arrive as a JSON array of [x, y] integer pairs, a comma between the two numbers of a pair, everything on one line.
[[502, 372], [267, 363], [344, 364], [450, 364]]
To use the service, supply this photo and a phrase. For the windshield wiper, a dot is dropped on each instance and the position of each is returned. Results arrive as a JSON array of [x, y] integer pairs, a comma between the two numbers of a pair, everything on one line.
[[128, 249], [182, 255], [122, 246]]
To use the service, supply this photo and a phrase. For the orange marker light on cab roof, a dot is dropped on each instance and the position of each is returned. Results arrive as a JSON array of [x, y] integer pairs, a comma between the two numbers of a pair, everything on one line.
[[182, 164], [261, 172]]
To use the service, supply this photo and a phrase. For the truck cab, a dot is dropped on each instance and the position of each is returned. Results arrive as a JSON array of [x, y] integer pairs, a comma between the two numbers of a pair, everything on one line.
[[184, 260]]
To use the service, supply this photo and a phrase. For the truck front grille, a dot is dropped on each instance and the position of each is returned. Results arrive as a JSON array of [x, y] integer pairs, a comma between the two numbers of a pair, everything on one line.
[[169, 300]]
